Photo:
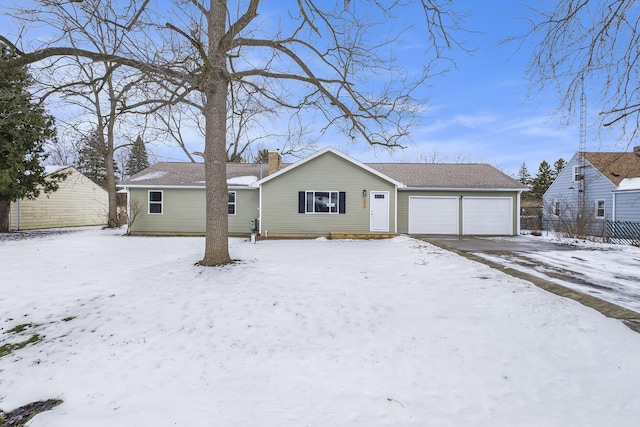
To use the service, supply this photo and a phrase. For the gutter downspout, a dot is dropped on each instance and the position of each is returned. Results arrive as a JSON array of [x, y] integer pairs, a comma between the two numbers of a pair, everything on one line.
[[613, 210], [260, 208], [395, 215], [17, 214], [517, 231]]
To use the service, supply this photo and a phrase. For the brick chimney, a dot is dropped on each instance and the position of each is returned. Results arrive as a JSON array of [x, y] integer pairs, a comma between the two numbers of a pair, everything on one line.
[[275, 162]]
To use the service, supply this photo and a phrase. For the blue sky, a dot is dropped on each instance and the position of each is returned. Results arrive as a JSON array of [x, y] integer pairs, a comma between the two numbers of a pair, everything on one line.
[[484, 109]]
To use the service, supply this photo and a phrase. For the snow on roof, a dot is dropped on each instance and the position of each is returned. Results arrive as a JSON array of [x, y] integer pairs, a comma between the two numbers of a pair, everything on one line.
[[51, 169], [628, 184], [242, 180], [150, 175]]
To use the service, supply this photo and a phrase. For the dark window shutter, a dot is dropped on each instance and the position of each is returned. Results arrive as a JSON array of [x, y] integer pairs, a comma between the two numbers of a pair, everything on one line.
[[301, 202], [342, 202]]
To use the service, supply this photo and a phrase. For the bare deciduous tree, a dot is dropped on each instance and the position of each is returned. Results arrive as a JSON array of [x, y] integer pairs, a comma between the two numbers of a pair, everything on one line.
[[591, 43], [103, 93], [321, 56]]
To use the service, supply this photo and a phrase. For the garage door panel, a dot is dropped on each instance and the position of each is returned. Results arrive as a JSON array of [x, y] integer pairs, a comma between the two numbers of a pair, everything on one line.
[[433, 215], [487, 216]]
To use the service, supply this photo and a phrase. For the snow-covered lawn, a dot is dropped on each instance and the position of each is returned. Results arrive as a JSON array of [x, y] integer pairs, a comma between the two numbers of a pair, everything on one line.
[[300, 333]]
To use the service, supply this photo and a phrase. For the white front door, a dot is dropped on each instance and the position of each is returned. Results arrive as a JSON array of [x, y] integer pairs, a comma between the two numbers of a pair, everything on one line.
[[379, 209]]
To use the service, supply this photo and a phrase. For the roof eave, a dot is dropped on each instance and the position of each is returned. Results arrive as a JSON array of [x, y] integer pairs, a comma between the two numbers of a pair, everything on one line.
[[230, 187], [159, 186], [471, 189]]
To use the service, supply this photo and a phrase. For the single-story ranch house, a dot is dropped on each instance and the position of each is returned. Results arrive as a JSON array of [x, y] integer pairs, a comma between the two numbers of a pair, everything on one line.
[[329, 192]]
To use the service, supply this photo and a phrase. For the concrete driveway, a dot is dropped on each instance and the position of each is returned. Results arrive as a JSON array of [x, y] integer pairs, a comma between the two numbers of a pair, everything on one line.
[[606, 279], [496, 244]]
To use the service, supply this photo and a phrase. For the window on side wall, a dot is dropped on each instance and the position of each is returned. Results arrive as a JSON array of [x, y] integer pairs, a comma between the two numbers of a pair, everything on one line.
[[155, 202], [556, 208], [232, 203], [578, 173], [600, 209], [322, 202]]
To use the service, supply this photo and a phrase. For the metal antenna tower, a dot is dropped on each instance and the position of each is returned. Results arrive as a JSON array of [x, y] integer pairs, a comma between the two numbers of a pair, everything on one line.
[[582, 148]]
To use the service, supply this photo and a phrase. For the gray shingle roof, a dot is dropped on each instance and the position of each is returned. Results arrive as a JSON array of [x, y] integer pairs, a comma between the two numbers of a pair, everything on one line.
[[414, 175], [189, 174], [447, 175]]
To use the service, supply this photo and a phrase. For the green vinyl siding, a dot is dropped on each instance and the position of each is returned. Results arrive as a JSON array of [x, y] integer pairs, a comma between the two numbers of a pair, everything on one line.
[[327, 172], [403, 203], [246, 210], [183, 211]]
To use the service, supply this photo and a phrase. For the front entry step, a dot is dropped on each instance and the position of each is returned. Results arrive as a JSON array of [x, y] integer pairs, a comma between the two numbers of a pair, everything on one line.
[[361, 235]]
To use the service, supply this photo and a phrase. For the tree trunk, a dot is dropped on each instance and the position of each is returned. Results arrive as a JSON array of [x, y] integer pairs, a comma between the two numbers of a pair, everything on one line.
[[4, 216], [216, 246], [112, 212], [112, 216]]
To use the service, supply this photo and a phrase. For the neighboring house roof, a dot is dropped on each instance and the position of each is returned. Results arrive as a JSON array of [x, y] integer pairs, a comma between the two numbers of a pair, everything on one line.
[[615, 166], [629, 184], [446, 175], [51, 169], [440, 176], [184, 174]]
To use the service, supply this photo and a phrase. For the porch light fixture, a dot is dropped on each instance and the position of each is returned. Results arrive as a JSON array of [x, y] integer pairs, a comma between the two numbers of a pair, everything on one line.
[[364, 193]]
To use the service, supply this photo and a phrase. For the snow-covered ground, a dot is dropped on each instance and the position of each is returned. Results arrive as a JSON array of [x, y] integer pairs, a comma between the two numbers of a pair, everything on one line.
[[300, 333], [606, 271]]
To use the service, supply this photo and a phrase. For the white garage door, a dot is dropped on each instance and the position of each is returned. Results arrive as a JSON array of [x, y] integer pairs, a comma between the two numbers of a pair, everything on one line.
[[433, 215], [487, 216]]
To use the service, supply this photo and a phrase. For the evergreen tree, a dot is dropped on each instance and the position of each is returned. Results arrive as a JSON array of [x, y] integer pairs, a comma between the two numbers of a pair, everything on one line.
[[235, 158], [24, 129], [558, 165], [523, 174], [542, 180], [91, 159], [138, 158], [262, 156]]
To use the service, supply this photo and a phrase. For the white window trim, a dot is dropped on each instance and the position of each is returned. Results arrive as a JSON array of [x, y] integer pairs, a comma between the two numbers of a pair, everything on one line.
[[556, 208], [604, 209], [306, 203], [235, 203], [575, 172], [161, 202]]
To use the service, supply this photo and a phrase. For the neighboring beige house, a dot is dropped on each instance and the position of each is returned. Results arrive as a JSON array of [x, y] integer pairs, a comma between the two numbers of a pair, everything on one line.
[[329, 194], [77, 202]]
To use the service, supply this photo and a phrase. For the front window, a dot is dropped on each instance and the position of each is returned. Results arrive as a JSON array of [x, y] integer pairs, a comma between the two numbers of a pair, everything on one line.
[[155, 202], [232, 203], [322, 202], [599, 208]]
